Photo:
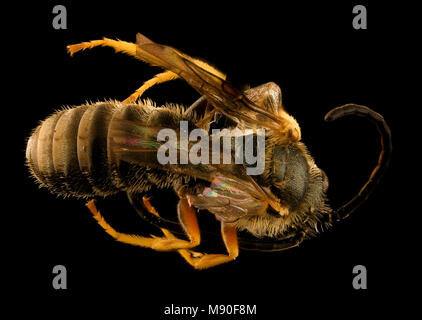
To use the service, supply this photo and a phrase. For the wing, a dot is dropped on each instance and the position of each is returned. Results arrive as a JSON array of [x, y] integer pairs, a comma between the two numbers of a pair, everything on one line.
[[212, 84], [229, 198], [232, 192]]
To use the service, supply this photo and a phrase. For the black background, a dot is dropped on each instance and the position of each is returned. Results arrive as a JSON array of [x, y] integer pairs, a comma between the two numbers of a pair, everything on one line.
[[319, 61]]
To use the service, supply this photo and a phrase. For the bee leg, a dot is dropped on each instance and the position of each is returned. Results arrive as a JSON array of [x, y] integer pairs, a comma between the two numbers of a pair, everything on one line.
[[204, 261], [158, 78], [167, 243], [121, 237], [118, 45], [130, 49], [189, 222]]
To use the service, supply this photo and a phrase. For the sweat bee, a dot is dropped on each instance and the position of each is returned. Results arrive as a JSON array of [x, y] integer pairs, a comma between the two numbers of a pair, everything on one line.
[[108, 147]]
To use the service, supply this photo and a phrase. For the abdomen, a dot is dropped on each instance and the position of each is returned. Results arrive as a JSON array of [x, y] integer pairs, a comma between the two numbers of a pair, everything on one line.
[[68, 152]]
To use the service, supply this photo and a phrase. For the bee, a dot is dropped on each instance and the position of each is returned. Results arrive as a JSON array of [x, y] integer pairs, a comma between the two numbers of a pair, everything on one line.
[[107, 147]]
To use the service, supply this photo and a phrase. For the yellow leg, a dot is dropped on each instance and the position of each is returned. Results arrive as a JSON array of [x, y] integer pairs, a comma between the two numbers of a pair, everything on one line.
[[130, 49], [118, 45], [204, 261], [159, 78], [187, 219], [167, 243], [196, 259]]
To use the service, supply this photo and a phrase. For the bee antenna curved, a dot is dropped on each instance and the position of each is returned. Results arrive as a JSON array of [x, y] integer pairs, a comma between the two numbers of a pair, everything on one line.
[[383, 160]]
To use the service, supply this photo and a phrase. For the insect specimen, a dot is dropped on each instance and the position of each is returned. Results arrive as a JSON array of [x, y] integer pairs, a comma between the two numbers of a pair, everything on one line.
[[108, 147]]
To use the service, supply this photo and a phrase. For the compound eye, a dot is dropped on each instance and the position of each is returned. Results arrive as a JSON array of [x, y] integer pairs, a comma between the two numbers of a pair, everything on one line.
[[279, 164], [290, 175]]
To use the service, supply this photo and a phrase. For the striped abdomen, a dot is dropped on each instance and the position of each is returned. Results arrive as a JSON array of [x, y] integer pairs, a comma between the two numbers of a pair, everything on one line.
[[68, 152]]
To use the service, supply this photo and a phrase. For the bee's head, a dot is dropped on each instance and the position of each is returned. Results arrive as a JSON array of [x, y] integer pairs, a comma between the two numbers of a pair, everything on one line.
[[297, 187], [294, 176]]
